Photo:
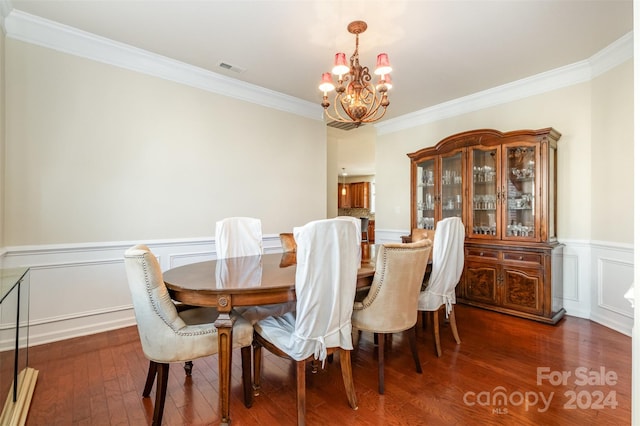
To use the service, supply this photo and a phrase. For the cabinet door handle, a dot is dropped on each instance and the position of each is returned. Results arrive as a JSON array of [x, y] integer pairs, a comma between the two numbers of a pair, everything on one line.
[[520, 258], [481, 253]]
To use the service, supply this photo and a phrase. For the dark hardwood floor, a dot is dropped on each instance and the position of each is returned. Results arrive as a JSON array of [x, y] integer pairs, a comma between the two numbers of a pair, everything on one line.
[[491, 378]]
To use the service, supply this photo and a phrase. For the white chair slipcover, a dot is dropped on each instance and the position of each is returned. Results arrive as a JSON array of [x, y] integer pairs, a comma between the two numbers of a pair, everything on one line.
[[239, 239], [446, 269], [328, 258], [326, 274], [448, 262], [238, 236]]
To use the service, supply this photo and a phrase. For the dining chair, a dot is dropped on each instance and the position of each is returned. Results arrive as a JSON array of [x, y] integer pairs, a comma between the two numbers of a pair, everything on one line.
[[238, 236], [418, 234], [169, 336], [241, 237], [328, 258], [391, 303], [446, 270], [364, 228], [288, 242]]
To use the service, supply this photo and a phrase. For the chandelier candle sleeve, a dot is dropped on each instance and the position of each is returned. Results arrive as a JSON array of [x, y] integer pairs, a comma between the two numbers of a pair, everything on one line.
[[357, 100]]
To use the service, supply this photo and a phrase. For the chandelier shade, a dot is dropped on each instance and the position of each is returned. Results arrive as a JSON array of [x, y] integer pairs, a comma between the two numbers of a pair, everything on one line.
[[356, 98]]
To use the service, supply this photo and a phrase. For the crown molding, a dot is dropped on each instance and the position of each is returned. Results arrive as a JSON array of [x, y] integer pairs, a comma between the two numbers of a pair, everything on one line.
[[5, 9], [42, 32], [32, 29], [611, 56]]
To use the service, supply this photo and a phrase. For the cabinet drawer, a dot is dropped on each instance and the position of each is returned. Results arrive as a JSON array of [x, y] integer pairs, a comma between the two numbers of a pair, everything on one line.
[[485, 254], [523, 257]]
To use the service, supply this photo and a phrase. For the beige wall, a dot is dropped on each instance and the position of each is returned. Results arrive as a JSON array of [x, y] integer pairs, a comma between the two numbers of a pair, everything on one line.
[[595, 121], [99, 153], [612, 160]]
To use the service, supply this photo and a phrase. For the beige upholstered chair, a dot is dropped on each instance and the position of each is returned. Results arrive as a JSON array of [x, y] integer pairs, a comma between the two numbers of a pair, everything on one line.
[[328, 259], [168, 336], [446, 270], [393, 296]]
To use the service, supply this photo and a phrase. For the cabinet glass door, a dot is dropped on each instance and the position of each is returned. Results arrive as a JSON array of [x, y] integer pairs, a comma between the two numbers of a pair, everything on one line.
[[426, 194], [484, 193], [451, 189], [521, 162]]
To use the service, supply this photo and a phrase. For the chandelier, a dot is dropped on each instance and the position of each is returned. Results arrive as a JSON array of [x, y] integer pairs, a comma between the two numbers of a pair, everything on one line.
[[356, 100]]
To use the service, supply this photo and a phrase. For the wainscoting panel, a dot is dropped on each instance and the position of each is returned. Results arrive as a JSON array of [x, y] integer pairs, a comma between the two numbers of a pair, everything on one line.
[[613, 275], [82, 289], [576, 278]]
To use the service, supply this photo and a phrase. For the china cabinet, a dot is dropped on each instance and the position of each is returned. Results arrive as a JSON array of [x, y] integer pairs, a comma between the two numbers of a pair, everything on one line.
[[503, 187]]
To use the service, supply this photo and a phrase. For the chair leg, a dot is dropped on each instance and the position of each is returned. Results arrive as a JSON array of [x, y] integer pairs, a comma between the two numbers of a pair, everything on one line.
[[245, 353], [161, 393], [424, 320], [414, 348], [356, 342], [436, 332], [300, 391], [454, 326], [347, 378], [380, 365], [151, 377], [257, 367], [188, 367]]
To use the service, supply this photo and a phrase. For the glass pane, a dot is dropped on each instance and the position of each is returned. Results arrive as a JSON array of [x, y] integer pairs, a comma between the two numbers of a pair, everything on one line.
[[484, 192], [521, 170], [426, 195], [451, 194]]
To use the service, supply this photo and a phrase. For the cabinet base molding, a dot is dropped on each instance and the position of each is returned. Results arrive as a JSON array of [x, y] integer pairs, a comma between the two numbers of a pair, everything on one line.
[[553, 320]]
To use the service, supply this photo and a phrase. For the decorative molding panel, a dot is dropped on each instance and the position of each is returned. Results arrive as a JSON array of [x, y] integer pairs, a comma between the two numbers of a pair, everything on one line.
[[82, 289]]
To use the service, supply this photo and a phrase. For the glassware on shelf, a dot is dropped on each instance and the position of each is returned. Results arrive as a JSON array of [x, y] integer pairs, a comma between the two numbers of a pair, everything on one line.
[[427, 178], [483, 174], [426, 223]]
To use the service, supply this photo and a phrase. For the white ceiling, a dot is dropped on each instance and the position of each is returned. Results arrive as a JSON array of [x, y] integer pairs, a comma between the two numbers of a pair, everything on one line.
[[439, 50]]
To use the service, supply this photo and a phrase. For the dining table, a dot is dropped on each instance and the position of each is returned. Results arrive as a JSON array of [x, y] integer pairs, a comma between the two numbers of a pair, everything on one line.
[[243, 281]]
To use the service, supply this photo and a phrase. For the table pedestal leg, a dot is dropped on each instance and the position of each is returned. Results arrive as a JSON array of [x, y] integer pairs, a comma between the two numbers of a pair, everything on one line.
[[224, 324]]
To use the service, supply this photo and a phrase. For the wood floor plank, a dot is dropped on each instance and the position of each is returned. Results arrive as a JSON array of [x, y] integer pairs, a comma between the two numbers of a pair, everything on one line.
[[98, 380]]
